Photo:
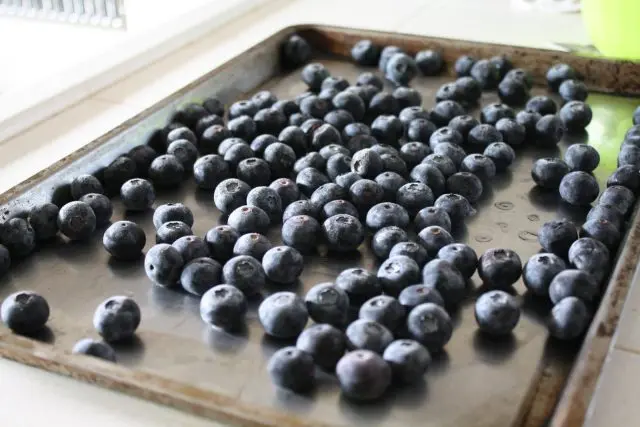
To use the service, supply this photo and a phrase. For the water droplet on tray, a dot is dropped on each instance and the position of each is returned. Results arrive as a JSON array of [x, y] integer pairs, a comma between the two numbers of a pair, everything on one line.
[[527, 236], [504, 206], [533, 217]]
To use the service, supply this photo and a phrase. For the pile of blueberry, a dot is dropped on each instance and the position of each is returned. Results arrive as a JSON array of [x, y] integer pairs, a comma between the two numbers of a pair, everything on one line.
[[330, 167]]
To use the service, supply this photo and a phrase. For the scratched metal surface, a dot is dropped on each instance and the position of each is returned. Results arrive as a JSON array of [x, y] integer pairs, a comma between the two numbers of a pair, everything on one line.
[[474, 382]]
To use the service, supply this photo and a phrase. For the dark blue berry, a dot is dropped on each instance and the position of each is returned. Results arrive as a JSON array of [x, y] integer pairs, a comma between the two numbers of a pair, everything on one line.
[[387, 214], [407, 97], [470, 89], [310, 160], [444, 163], [117, 318], [385, 239], [338, 164], [420, 130], [397, 273], [450, 92], [607, 213], [539, 271], [603, 231], [171, 231], [295, 51], [209, 171], [413, 250], [483, 135], [444, 111], [463, 124], [579, 188], [387, 129], [430, 176], [542, 105], [283, 264], [292, 369], [558, 73], [245, 273], [335, 82], [309, 180], [283, 315], [263, 99], [163, 264], [118, 172], [363, 375], [137, 194], [249, 219], [413, 152], [629, 155], [499, 268], [501, 154], [252, 244], [384, 310], [76, 220], [582, 157], [221, 241], [573, 283], [189, 114], [455, 152], [365, 193], [430, 216], [328, 303], [287, 107], [185, 151], [513, 133], [408, 360], [337, 207], [254, 171], [429, 62], [485, 73], [620, 197], [300, 207], [346, 180], [573, 90], [456, 206], [142, 155], [491, 113], [369, 335], [528, 119], [242, 108], [369, 78], [181, 133], [513, 91], [460, 256], [191, 247], [463, 65], [44, 221], [479, 165], [433, 238], [414, 295], [548, 172], [392, 162], [200, 275], [626, 176], [569, 319], [359, 284], [124, 240], [557, 236], [466, 184], [266, 199], [236, 153], [366, 163], [430, 325], [94, 348], [350, 102], [326, 344], [225, 307], [166, 171], [25, 312], [549, 130], [280, 158], [230, 194], [497, 313], [301, 232], [85, 184], [172, 212], [390, 182], [343, 233], [212, 137], [271, 121], [364, 52], [341, 118], [383, 103], [401, 69]]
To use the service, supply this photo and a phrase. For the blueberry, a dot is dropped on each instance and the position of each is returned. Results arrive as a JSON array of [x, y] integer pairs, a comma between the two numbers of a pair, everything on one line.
[[513, 91], [479, 165], [501, 154], [295, 51], [627, 176], [363, 375], [166, 171], [337, 207], [117, 318], [430, 325], [350, 102], [430, 176], [620, 197], [557, 236], [261, 142], [602, 230], [450, 91], [384, 310], [191, 247], [287, 107], [444, 111], [292, 369], [366, 163], [528, 119], [569, 319], [497, 313], [200, 275], [328, 303], [485, 72], [445, 164], [463, 65], [271, 121], [455, 152], [163, 264], [385, 239], [226, 145], [469, 89], [309, 180], [542, 104], [254, 171], [325, 343], [245, 273], [579, 188], [137, 194], [499, 268], [263, 99], [387, 129], [353, 130], [463, 124], [502, 63], [249, 219], [387, 214], [212, 137], [549, 130], [242, 108], [185, 151], [117, 173], [301, 232], [252, 244], [171, 231], [408, 360], [539, 271], [413, 152], [394, 163], [573, 283], [369, 78], [401, 69], [558, 73], [206, 122], [189, 114], [230, 194], [492, 113], [85, 184], [383, 103], [609, 213], [283, 315], [94, 348], [281, 159], [364, 52], [390, 182], [343, 233], [209, 171], [433, 238], [236, 153], [300, 207], [181, 133], [310, 160], [466, 184], [520, 75], [346, 180], [44, 221], [420, 130], [414, 295], [76, 220], [629, 155], [224, 307], [412, 250], [338, 164], [221, 241], [283, 264], [407, 97], [456, 206], [341, 118], [429, 62], [363, 334], [591, 256], [397, 273], [124, 240], [573, 90], [513, 133], [582, 157], [365, 193], [333, 82], [25, 312], [432, 216], [266, 199], [549, 172], [483, 135], [460, 256]]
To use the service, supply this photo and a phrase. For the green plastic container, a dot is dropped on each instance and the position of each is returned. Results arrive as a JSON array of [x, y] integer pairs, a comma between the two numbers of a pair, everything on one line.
[[614, 27]]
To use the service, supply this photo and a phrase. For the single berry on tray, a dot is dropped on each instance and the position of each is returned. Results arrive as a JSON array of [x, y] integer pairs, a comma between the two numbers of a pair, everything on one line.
[[283, 315], [224, 307], [99, 349], [499, 268], [117, 318], [548, 172], [172, 212], [363, 375], [414, 295], [365, 52], [283, 264], [200, 275], [124, 240], [497, 313], [76, 220], [137, 194], [292, 369], [430, 325], [460, 256], [24, 312], [328, 303], [579, 188], [326, 344], [163, 264]]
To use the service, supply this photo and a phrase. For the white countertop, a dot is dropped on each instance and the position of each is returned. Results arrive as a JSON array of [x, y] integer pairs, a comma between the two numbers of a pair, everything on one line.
[[32, 397]]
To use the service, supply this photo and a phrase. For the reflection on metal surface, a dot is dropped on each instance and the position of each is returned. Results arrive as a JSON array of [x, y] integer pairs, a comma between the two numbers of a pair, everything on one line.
[[103, 13]]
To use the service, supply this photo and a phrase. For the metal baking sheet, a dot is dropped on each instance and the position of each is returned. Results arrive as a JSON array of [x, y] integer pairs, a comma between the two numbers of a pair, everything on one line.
[[178, 360]]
